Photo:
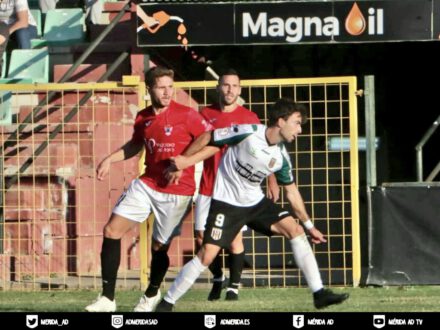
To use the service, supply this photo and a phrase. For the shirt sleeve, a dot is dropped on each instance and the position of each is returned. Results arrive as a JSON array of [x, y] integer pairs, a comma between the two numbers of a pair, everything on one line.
[[232, 135], [254, 118], [21, 5], [284, 175], [138, 134], [197, 124]]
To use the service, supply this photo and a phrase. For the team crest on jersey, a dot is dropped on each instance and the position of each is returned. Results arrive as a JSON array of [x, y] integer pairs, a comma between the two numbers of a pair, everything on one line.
[[168, 129], [272, 162], [216, 233]]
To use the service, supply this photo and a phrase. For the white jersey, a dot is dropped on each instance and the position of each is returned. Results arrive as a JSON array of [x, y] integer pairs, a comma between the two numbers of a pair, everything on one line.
[[247, 162], [9, 9]]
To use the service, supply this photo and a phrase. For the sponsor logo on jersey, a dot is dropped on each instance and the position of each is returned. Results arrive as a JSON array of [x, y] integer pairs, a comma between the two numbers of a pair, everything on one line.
[[148, 123], [216, 233], [252, 152], [150, 145]]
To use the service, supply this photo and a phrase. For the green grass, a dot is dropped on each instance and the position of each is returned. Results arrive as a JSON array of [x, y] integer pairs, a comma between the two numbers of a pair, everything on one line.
[[386, 299]]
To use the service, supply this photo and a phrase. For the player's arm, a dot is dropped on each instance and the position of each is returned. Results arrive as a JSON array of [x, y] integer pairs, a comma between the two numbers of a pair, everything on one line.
[[198, 150], [128, 150], [285, 177], [201, 147], [209, 143], [297, 203], [273, 189]]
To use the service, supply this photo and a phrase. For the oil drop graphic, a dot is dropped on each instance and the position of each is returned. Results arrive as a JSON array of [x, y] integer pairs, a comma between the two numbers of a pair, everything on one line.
[[355, 23], [159, 19]]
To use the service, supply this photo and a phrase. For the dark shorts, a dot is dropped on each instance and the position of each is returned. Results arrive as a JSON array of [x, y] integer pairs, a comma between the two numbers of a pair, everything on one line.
[[225, 220]]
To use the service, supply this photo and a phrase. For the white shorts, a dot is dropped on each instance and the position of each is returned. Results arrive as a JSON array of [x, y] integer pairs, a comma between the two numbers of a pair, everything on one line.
[[169, 210], [201, 211]]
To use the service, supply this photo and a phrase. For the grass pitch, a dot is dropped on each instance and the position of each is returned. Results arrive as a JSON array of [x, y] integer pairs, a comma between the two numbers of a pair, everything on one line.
[[385, 299]]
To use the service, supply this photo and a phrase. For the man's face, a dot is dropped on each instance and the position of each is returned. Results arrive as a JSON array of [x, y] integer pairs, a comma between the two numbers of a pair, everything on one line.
[[229, 89], [291, 127], [162, 92]]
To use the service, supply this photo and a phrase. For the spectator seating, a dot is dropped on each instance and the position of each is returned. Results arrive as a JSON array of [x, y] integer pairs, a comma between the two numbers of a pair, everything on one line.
[[64, 26], [4, 65], [30, 63]]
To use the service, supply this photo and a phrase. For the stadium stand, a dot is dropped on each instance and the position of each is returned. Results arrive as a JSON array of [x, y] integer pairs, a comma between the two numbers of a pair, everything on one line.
[[64, 26], [30, 63], [4, 65]]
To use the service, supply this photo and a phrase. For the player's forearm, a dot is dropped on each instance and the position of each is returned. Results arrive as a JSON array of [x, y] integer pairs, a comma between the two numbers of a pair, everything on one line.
[[127, 151], [198, 144], [297, 203], [203, 154]]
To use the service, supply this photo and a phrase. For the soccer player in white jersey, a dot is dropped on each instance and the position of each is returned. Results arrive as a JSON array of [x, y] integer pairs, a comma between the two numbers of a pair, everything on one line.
[[254, 152], [226, 112]]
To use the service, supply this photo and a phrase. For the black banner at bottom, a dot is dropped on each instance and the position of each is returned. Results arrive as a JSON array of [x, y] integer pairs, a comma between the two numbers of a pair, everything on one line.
[[208, 320], [314, 321]]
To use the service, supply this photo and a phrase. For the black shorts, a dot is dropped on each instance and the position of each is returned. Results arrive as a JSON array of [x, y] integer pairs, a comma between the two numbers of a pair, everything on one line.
[[225, 220]]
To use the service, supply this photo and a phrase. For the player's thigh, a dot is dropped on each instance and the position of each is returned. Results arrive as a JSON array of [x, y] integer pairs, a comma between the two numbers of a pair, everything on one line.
[[135, 203], [117, 226], [201, 211], [224, 223], [266, 214], [169, 212]]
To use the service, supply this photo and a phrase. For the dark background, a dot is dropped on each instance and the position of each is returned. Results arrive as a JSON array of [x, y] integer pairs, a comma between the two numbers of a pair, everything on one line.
[[407, 88]]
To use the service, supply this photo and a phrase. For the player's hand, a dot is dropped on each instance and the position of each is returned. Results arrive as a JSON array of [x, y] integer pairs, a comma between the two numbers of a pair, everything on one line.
[[273, 193], [273, 189], [173, 176], [103, 169], [179, 162], [317, 236]]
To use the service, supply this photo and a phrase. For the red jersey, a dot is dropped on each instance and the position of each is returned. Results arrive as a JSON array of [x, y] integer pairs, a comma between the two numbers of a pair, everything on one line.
[[167, 135], [219, 119]]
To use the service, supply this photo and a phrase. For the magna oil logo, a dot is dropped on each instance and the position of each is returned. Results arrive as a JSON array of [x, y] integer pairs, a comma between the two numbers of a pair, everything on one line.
[[294, 29]]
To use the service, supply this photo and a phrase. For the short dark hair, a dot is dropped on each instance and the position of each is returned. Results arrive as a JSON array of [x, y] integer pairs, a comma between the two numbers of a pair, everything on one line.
[[284, 108], [228, 72], [157, 72]]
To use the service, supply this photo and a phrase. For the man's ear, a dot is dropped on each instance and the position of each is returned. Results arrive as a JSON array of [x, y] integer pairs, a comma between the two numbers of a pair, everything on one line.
[[281, 122]]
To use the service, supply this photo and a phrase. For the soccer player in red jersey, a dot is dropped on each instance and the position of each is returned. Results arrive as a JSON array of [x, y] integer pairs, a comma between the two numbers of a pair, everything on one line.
[[165, 129], [225, 113]]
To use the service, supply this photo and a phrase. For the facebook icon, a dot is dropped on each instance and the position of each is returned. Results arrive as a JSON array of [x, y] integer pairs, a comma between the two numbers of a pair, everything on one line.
[[298, 321]]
